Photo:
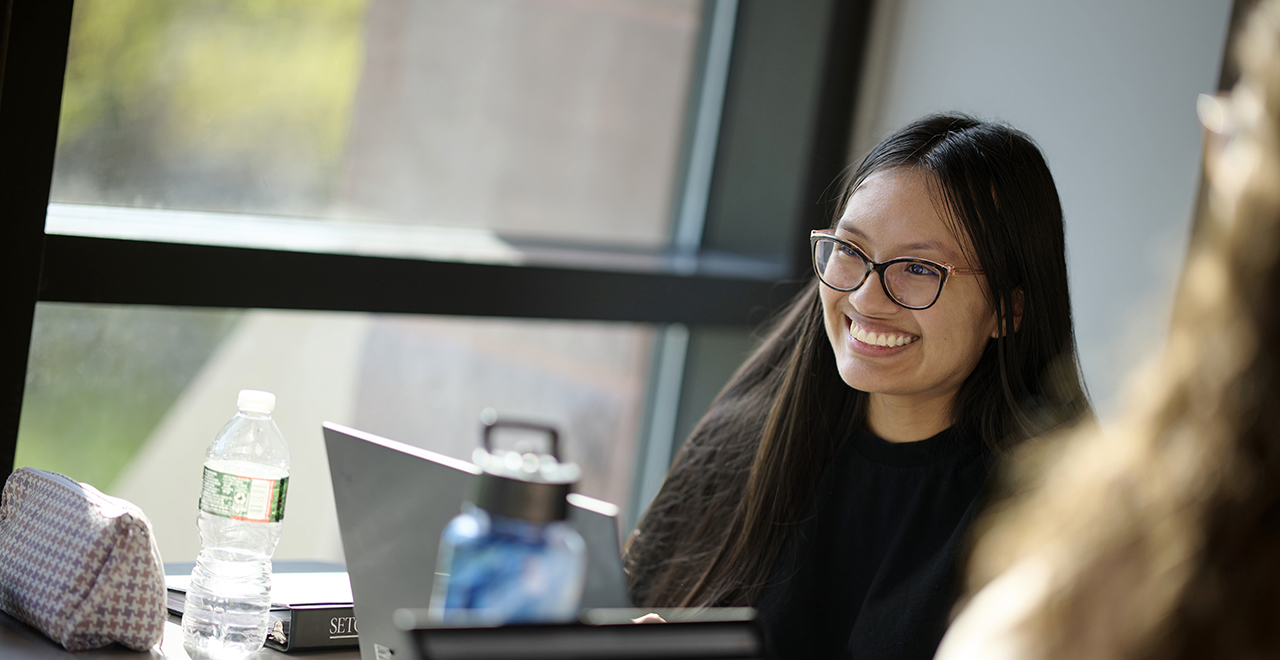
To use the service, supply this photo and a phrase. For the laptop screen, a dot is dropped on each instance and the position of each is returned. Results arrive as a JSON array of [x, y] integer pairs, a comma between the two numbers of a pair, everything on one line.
[[393, 502]]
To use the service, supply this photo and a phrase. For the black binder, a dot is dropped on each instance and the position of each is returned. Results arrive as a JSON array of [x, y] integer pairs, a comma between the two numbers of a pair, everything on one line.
[[300, 620], [311, 627]]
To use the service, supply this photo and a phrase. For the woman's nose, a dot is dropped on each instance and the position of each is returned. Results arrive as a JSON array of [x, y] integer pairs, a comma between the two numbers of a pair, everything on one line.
[[870, 298]]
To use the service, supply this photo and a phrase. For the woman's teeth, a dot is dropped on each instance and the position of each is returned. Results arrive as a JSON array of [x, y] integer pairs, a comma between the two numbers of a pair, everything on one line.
[[880, 339]]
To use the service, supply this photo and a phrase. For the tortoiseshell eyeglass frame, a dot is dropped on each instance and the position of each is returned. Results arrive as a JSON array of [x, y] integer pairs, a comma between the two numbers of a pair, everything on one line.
[[947, 270]]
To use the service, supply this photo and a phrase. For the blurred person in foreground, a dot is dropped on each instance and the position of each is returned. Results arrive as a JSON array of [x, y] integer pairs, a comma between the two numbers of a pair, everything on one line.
[[1159, 536]]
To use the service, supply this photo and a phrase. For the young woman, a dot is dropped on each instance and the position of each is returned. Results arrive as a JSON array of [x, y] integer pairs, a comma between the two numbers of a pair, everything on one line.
[[832, 481]]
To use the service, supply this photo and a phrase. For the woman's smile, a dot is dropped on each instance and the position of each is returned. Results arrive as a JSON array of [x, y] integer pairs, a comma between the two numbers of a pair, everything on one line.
[[874, 341]]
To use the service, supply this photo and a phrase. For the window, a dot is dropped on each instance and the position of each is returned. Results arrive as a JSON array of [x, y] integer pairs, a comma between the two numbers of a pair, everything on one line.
[[587, 221], [150, 386], [541, 119]]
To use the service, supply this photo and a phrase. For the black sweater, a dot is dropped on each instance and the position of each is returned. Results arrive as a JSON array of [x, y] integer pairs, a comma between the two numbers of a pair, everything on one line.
[[872, 570]]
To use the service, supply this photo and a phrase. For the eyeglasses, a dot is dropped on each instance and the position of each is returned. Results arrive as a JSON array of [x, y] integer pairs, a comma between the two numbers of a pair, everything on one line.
[[912, 283]]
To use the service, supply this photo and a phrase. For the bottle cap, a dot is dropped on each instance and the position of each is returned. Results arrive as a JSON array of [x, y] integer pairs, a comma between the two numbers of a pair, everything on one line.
[[256, 401], [522, 484]]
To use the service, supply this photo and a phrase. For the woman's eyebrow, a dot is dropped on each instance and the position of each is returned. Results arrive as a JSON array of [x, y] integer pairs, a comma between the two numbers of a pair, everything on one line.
[[936, 246]]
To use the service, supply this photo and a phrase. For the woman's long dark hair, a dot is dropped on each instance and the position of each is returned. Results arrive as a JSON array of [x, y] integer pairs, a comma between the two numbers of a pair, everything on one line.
[[743, 478]]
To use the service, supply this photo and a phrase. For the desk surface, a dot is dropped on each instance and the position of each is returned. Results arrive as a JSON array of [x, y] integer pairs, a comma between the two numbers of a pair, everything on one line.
[[19, 641]]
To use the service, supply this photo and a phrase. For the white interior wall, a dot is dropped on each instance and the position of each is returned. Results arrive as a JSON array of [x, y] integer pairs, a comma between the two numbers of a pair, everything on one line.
[[1108, 91]]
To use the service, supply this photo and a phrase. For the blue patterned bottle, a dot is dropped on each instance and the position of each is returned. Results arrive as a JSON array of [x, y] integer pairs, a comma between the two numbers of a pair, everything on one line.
[[510, 557]]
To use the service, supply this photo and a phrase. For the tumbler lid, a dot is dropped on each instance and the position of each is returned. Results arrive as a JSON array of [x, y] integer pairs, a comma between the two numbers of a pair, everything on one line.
[[523, 484]]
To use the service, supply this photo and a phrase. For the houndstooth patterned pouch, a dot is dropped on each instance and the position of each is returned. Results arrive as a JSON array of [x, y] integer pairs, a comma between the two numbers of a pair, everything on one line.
[[81, 566]]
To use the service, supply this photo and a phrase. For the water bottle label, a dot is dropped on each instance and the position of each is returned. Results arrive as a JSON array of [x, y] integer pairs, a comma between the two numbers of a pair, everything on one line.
[[243, 498]]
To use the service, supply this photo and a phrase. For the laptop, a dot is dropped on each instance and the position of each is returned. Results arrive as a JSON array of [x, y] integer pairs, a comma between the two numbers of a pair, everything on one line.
[[393, 503]]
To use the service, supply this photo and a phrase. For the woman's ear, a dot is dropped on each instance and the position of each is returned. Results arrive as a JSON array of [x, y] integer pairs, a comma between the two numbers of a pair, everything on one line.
[[1019, 300]]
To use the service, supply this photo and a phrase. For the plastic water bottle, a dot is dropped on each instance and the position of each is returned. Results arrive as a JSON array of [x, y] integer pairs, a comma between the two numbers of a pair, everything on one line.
[[510, 556], [246, 477]]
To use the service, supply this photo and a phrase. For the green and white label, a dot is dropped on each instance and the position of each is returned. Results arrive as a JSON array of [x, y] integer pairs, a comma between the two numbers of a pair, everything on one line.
[[243, 498]]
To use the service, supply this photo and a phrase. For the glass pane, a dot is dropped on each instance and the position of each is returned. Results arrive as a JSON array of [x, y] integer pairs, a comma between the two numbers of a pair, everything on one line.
[[535, 118], [128, 398]]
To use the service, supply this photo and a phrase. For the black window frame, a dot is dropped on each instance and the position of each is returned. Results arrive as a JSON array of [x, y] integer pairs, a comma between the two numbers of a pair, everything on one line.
[[792, 80]]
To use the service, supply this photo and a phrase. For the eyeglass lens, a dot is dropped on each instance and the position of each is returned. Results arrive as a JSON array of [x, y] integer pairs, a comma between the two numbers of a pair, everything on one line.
[[910, 283]]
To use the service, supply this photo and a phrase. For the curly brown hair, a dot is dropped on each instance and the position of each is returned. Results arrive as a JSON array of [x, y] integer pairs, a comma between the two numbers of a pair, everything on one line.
[[1159, 536]]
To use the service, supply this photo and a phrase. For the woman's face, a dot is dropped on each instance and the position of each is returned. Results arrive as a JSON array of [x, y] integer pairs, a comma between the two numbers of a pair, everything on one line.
[[894, 214]]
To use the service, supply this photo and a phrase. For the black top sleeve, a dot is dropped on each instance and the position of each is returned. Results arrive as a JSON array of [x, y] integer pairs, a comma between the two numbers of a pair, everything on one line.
[[871, 572]]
